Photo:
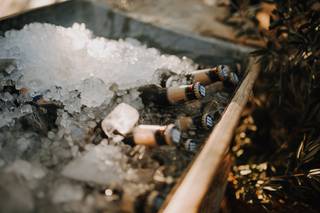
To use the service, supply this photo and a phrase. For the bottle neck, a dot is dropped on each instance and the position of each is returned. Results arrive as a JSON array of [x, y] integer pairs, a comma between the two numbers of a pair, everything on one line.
[[154, 135]]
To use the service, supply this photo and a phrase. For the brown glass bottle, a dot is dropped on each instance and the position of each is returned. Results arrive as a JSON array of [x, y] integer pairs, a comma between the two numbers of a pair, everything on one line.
[[192, 145], [154, 135], [200, 121], [214, 109], [208, 76], [171, 95]]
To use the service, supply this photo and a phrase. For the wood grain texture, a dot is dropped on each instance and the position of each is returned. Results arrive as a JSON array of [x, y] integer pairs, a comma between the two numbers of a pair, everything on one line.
[[216, 191], [192, 188]]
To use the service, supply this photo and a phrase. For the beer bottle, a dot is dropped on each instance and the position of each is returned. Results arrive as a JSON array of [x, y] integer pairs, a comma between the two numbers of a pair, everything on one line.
[[171, 95], [154, 135], [208, 76], [214, 109], [154, 202], [149, 202], [201, 121], [213, 105]]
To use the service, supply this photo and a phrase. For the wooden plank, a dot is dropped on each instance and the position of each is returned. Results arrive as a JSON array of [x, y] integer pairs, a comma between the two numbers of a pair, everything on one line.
[[191, 190], [216, 191]]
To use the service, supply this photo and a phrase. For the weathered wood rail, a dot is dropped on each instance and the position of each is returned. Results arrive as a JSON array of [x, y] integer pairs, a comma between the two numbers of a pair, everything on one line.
[[211, 166]]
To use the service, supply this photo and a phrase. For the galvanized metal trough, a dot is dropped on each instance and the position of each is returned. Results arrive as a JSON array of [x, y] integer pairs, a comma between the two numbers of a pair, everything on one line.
[[201, 187]]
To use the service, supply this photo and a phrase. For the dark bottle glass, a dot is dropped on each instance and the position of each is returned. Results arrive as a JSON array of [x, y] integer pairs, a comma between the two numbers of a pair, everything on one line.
[[150, 202], [208, 76], [154, 135], [214, 109], [171, 95], [200, 121], [154, 202]]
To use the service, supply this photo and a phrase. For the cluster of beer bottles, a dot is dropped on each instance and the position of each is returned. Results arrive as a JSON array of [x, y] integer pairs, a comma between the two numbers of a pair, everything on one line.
[[204, 119]]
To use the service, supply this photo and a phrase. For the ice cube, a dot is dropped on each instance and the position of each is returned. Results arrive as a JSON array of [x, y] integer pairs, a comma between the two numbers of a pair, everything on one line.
[[26, 170], [67, 192], [15, 195], [72, 59], [6, 97], [26, 109], [23, 144], [93, 92], [121, 120], [7, 64], [102, 165]]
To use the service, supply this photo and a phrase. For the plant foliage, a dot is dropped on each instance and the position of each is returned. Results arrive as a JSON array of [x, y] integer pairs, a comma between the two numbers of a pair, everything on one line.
[[286, 115]]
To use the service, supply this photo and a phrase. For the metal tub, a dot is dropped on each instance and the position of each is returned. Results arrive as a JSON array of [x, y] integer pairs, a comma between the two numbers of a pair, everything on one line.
[[201, 187]]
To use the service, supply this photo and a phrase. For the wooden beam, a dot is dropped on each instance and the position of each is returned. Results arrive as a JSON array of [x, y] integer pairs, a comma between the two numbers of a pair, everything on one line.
[[191, 190], [215, 194]]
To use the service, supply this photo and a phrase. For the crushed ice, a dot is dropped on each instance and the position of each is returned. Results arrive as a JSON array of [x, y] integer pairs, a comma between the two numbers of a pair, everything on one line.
[[48, 151], [72, 66]]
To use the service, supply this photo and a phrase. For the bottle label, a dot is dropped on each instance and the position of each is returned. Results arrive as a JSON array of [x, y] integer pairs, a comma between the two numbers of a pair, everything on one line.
[[159, 139], [176, 94], [144, 135], [202, 76]]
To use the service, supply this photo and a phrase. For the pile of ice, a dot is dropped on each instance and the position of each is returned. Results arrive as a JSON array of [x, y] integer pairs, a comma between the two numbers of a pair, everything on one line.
[[72, 66], [102, 164], [51, 155]]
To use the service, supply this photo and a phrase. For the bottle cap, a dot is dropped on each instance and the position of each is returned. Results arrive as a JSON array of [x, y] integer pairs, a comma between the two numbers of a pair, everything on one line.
[[230, 78], [192, 145], [172, 134], [199, 90], [207, 121], [223, 72], [233, 78]]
